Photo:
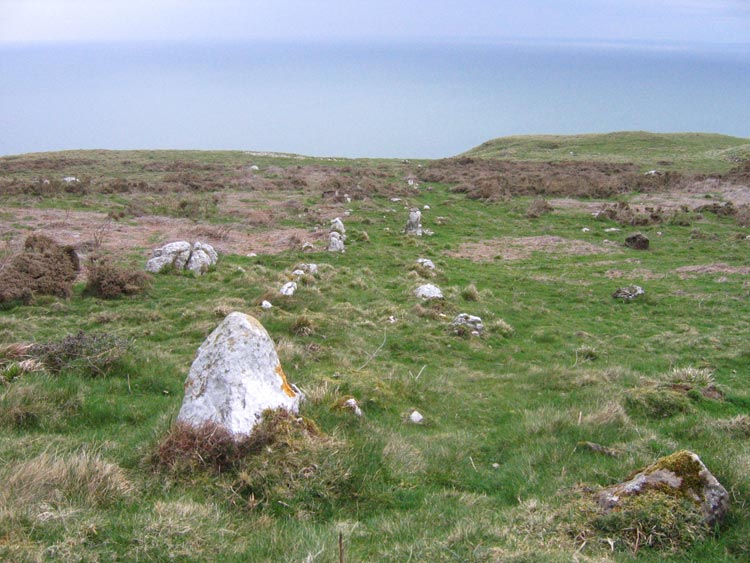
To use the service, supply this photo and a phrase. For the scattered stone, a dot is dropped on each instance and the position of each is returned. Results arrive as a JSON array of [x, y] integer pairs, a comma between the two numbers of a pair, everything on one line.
[[473, 323], [392, 319], [236, 375], [307, 247], [426, 208], [266, 304], [426, 263], [335, 242], [181, 255], [585, 230], [254, 167], [652, 173], [637, 242], [681, 475], [288, 288], [352, 404], [428, 291], [311, 269], [628, 293], [337, 225], [251, 255], [416, 417], [70, 180], [414, 224], [612, 230], [395, 199], [298, 273]]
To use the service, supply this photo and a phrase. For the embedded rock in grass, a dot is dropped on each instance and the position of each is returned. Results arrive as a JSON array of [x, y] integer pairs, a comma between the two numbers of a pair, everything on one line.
[[415, 417], [471, 322], [311, 269], [681, 476], [628, 293], [181, 255], [266, 304], [428, 291], [335, 242], [414, 224], [236, 376], [426, 263], [637, 241], [288, 288]]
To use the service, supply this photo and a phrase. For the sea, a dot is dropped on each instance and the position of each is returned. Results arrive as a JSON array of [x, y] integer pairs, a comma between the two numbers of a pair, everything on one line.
[[406, 100]]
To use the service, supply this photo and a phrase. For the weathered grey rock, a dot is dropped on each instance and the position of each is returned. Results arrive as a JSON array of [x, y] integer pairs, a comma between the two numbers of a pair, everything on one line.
[[681, 475], [288, 288], [428, 291], [637, 241], [335, 242], [311, 269], [426, 263], [628, 293], [472, 322], [181, 255], [236, 375], [266, 304], [298, 273], [337, 225], [308, 247], [416, 417], [174, 254], [414, 224], [202, 257]]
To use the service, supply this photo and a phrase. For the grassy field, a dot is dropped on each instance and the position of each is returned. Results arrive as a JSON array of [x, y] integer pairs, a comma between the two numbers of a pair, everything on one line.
[[697, 152], [497, 472]]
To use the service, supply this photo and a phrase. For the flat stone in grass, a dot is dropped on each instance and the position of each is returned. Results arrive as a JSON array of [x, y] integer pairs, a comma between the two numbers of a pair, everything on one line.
[[472, 323], [628, 293], [236, 375]]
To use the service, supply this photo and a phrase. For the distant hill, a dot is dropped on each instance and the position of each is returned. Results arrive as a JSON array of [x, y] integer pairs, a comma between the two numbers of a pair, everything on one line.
[[704, 152]]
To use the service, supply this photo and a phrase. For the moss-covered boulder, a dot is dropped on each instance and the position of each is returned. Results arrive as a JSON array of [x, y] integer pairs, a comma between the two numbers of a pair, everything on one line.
[[681, 477]]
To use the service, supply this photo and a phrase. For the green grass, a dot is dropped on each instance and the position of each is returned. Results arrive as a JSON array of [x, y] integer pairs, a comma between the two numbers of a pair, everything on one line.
[[494, 472], [696, 152]]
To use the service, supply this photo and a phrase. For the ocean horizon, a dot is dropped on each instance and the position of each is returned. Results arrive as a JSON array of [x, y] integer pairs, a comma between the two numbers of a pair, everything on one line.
[[425, 100]]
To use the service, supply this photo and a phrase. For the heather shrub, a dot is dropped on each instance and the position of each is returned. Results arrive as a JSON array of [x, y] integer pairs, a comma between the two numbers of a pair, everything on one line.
[[109, 280]]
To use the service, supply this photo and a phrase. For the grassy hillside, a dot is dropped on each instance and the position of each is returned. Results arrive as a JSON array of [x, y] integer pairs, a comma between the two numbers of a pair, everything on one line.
[[501, 470], [697, 152]]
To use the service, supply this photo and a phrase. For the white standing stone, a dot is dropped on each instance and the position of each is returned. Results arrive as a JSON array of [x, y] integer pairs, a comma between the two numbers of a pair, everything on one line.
[[236, 375], [428, 291], [288, 288], [335, 242], [414, 224]]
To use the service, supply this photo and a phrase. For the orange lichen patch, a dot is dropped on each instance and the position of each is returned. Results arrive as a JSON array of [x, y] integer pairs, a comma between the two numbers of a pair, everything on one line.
[[509, 248], [285, 387]]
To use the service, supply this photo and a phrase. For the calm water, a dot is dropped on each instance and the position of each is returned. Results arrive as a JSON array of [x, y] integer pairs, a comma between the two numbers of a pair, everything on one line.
[[357, 100]]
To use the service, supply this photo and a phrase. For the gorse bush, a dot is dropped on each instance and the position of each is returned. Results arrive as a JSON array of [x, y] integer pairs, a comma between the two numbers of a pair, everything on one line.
[[109, 280]]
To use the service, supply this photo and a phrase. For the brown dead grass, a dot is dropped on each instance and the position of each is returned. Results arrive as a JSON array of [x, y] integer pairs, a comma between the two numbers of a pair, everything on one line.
[[509, 248], [687, 272]]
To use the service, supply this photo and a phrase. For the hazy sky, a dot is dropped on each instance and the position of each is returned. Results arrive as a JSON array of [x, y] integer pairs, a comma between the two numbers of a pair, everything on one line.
[[705, 21]]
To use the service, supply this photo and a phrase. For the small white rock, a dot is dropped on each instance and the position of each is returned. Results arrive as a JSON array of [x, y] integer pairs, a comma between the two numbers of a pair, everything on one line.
[[254, 167], [395, 199], [354, 406], [298, 273], [426, 263], [585, 230], [426, 207], [612, 230], [251, 255], [288, 288], [415, 417], [266, 305], [428, 291], [338, 225]]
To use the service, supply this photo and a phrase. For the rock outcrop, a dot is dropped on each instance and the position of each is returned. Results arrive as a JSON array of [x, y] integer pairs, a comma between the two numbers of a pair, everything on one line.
[[471, 323], [681, 475], [628, 293], [183, 256], [637, 241], [236, 375], [335, 242]]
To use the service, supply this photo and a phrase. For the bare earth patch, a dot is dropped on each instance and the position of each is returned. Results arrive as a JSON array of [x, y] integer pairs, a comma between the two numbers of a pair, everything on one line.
[[686, 272], [87, 231], [509, 248]]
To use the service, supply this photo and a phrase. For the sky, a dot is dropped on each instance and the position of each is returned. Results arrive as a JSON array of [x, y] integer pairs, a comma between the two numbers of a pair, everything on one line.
[[650, 21]]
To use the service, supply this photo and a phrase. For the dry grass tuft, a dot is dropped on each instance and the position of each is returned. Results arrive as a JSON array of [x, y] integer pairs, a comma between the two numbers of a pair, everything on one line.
[[83, 478]]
